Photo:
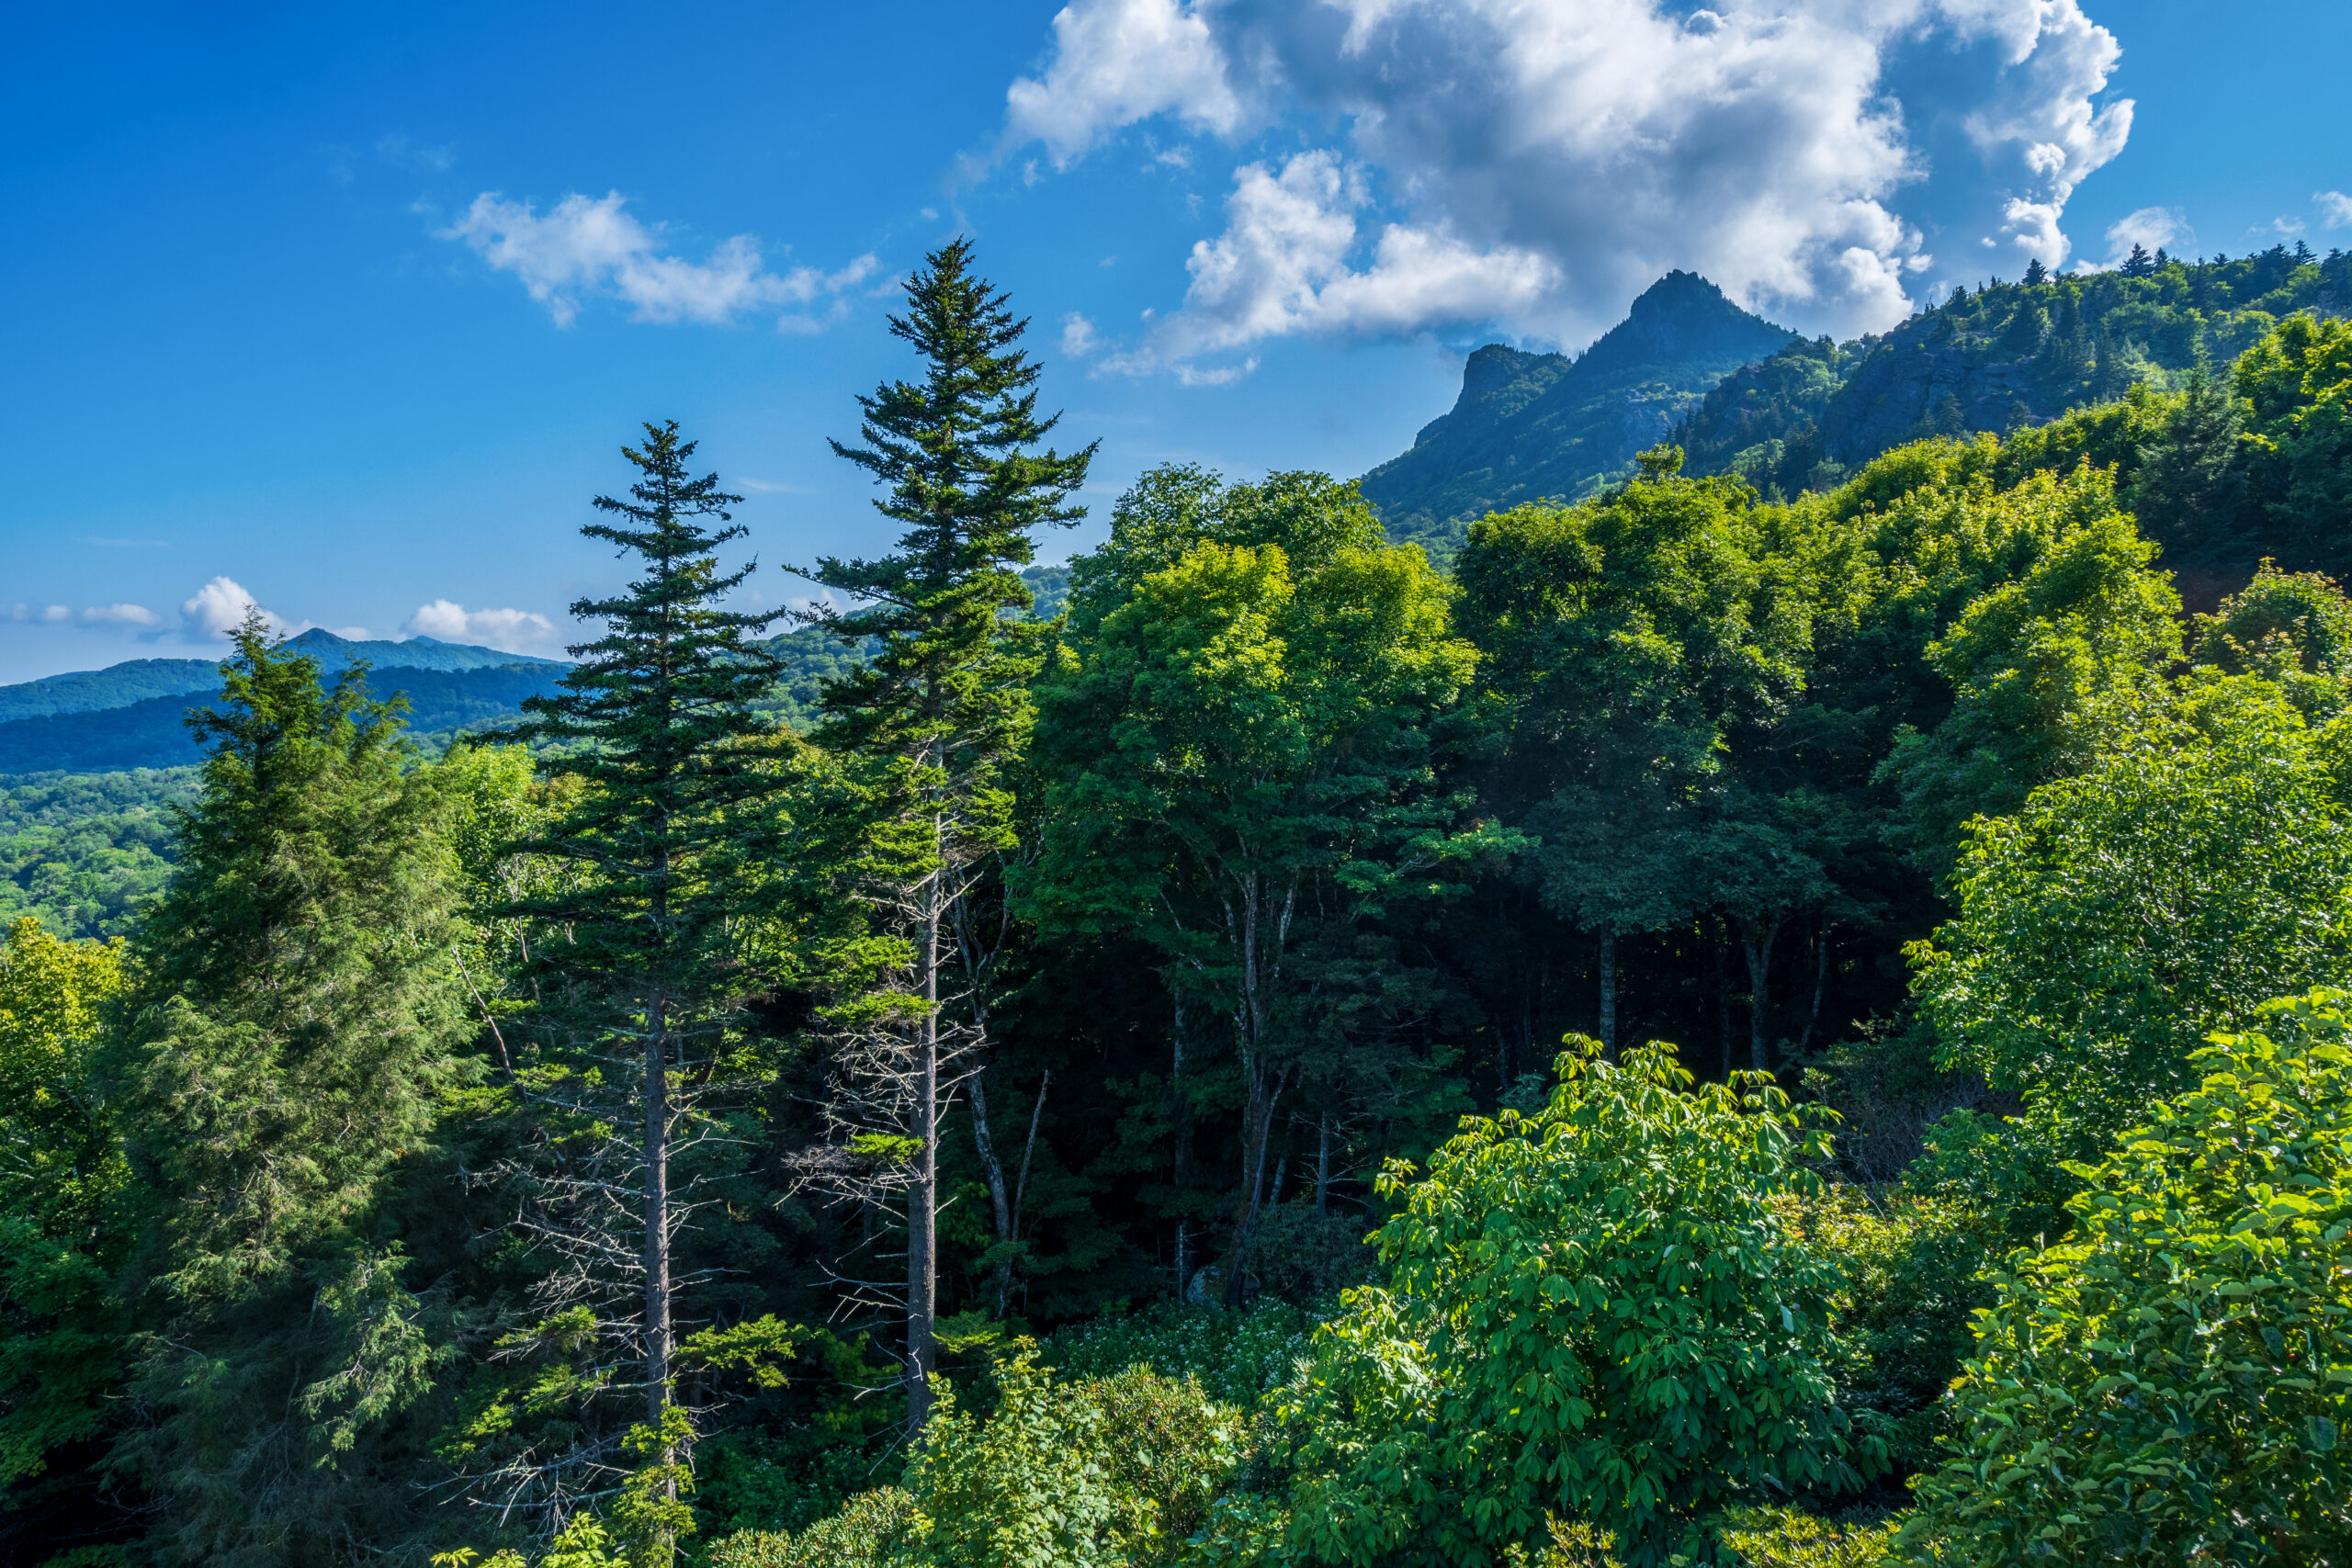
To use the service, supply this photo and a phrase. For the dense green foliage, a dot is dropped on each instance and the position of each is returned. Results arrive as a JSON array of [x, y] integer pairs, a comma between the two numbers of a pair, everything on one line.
[[577, 1155], [1597, 1311], [81, 852], [2173, 1381]]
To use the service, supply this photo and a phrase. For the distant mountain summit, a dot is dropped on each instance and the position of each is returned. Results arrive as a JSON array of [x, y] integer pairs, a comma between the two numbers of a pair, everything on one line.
[[132, 714], [1532, 425], [137, 679], [333, 653]]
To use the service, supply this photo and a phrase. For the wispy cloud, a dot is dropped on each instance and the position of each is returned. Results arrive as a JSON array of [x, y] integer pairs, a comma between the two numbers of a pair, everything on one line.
[[122, 615], [2334, 208], [583, 247], [405, 152], [49, 613], [2153, 227], [515, 631]]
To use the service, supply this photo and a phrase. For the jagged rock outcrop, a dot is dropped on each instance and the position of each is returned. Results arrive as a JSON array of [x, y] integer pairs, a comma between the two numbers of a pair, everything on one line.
[[1532, 425]]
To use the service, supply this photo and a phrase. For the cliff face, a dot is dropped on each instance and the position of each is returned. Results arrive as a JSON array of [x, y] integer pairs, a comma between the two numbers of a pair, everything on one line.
[[1532, 426]]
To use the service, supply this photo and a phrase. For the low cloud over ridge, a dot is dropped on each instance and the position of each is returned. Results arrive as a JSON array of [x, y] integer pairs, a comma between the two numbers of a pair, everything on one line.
[[514, 631], [1545, 163]]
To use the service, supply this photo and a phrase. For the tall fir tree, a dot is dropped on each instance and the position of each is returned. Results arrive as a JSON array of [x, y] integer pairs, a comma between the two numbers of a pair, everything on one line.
[[933, 719], [639, 969]]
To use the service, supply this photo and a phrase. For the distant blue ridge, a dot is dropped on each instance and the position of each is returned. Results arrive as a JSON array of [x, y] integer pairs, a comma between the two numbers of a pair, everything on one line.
[[138, 680], [133, 715]]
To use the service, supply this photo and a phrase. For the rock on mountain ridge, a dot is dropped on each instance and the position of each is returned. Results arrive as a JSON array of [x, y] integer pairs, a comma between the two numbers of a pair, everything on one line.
[[1532, 425]]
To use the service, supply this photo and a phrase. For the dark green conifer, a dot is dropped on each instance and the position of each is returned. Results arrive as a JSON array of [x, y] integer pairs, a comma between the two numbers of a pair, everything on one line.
[[640, 971], [941, 708], [290, 1027]]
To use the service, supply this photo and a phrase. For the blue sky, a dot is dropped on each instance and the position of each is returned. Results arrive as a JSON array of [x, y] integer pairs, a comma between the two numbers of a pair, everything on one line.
[[347, 310]]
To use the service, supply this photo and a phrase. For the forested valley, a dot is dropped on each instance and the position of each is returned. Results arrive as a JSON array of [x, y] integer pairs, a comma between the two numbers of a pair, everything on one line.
[[1784, 1015]]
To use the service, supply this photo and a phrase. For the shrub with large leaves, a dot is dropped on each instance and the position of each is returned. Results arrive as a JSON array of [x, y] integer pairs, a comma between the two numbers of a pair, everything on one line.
[[1114, 1472], [2174, 1382], [1599, 1311]]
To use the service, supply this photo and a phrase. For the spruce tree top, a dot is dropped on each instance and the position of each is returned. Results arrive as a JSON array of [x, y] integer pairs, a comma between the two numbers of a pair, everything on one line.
[[955, 450], [660, 717], [674, 675]]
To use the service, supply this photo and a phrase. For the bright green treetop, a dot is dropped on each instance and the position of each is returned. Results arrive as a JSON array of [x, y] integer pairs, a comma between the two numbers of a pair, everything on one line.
[[2197, 870], [1600, 1311]]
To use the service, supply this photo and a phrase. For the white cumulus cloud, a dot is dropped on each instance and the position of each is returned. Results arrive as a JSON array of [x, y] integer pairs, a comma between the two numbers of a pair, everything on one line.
[[515, 631], [1281, 267], [1115, 63], [583, 247], [1538, 165], [220, 606], [2334, 208]]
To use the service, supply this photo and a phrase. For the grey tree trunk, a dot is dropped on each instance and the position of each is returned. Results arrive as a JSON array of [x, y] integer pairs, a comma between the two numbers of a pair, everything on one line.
[[922, 1195], [1323, 1166], [1759, 993], [1820, 982], [1258, 1136], [992, 1171], [1609, 992], [1182, 1162], [657, 1213], [1723, 997]]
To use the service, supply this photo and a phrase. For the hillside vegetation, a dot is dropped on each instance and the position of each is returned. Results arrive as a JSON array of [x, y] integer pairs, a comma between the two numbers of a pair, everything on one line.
[[1800, 1028]]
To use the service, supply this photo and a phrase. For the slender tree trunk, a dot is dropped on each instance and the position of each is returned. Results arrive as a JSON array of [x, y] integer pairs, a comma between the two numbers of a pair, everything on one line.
[[657, 1213], [1820, 980], [1759, 993], [993, 1168], [1722, 994], [1028, 1153], [923, 1198], [1182, 1160], [1253, 1018], [1609, 992], [1258, 1135], [1323, 1165]]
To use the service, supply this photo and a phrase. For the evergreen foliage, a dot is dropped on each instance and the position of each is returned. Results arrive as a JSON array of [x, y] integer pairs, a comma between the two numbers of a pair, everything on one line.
[[289, 1023], [933, 721], [638, 972]]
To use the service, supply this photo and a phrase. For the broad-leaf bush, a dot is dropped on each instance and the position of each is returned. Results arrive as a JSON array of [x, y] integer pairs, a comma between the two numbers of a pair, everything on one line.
[[1115, 1472], [1902, 1319], [1600, 1311], [2172, 1384]]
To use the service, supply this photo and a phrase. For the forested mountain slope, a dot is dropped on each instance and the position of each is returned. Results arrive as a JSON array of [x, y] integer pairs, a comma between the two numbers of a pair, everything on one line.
[[153, 732], [1528, 425], [1792, 415], [2006, 354]]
